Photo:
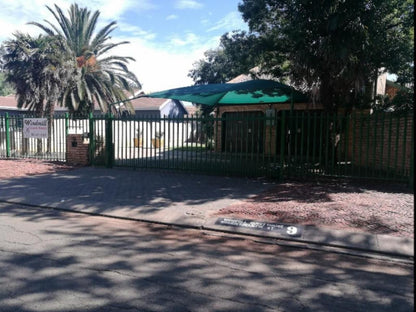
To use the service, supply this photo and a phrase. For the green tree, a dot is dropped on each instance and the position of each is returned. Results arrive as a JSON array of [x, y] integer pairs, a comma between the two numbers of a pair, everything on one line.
[[210, 69], [5, 87], [102, 78], [236, 55], [338, 46], [403, 101], [38, 68]]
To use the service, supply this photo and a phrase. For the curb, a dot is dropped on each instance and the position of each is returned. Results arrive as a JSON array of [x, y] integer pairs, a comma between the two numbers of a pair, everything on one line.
[[404, 254], [332, 247]]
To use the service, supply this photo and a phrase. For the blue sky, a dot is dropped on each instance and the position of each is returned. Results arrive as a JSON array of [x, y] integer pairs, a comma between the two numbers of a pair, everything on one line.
[[166, 36]]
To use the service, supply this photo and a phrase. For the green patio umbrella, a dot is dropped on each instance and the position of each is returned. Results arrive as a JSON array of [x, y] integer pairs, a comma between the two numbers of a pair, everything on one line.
[[248, 92]]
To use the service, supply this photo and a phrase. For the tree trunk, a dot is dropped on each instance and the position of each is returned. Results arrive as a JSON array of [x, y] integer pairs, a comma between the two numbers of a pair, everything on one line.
[[39, 114], [327, 95], [50, 109]]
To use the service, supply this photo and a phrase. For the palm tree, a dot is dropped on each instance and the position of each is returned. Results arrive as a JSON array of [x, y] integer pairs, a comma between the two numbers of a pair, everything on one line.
[[23, 63], [38, 68], [102, 78]]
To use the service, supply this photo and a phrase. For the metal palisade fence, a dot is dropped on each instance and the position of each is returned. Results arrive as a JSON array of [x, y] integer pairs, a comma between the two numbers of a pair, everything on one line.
[[288, 144], [15, 144]]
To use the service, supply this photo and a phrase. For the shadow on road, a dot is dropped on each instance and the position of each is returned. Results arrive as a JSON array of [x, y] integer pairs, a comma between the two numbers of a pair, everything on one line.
[[69, 262]]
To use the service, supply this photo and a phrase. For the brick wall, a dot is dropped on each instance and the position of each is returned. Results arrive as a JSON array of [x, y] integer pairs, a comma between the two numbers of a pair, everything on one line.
[[76, 150], [381, 142], [263, 107]]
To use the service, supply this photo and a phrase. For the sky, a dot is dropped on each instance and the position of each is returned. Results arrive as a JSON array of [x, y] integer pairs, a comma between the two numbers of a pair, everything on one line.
[[166, 36]]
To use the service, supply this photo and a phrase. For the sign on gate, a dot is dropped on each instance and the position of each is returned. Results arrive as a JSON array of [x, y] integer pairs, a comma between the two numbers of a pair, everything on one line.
[[35, 128]]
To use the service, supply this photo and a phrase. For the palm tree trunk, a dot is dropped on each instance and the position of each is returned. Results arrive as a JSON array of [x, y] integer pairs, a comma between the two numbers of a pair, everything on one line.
[[50, 109], [39, 114]]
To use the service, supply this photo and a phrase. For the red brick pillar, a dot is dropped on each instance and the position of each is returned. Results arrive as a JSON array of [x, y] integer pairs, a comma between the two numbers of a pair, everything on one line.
[[76, 150]]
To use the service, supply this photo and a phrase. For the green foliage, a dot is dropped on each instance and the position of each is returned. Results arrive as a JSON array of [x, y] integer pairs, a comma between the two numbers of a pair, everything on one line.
[[335, 45], [5, 87], [210, 69], [38, 68], [101, 78], [69, 66], [402, 102], [236, 55]]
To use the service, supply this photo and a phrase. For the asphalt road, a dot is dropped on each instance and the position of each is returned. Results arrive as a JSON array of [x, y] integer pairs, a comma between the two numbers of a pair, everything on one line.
[[55, 261]]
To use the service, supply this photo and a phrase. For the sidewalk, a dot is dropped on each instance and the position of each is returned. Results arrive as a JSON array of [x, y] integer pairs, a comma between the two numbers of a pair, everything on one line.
[[181, 199]]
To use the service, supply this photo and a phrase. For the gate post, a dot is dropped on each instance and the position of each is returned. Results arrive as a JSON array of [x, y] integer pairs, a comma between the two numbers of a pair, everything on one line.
[[91, 133], [411, 165], [109, 153], [282, 144], [66, 124], [76, 150], [7, 125]]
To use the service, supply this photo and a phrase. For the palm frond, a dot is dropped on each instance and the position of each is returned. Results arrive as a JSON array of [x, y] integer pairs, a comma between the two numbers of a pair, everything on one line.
[[66, 74], [104, 48], [43, 27], [102, 35], [91, 26], [62, 21]]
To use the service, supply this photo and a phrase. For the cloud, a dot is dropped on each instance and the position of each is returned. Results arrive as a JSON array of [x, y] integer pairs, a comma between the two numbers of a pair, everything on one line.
[[135, 31], [171, 17], [159, 64], [159, 69], [232, 21], [15, 14], [113, 10], [189, 39], [188, 4], [110, 10]]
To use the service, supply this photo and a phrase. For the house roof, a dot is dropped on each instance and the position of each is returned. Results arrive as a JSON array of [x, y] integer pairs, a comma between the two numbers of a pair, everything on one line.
[[144, 103], [9, 102], [253, 74]]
